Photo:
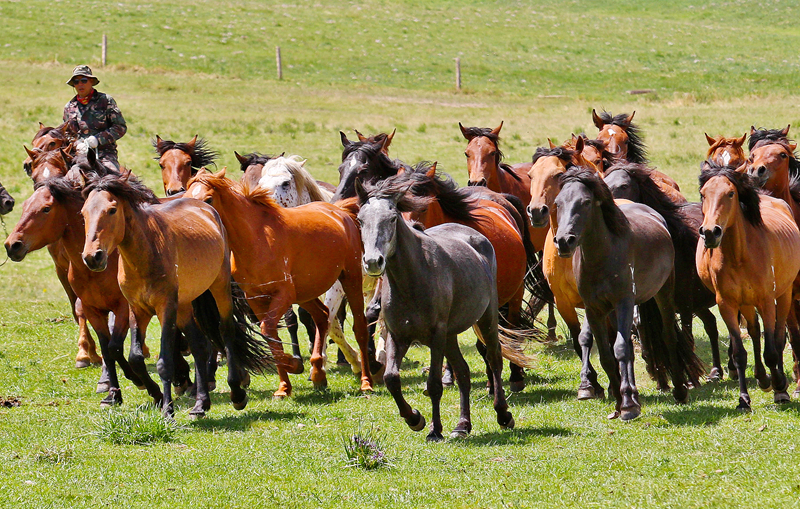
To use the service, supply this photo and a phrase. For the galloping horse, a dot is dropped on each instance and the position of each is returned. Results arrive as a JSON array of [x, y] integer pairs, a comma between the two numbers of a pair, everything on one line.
[[623, 256], [48, 139], [438, 283], [724, 151], [366, 160], [634, 182], [749, 256], [53, 215], [6, 201], [175, 264], [180, 161], [275, 267]]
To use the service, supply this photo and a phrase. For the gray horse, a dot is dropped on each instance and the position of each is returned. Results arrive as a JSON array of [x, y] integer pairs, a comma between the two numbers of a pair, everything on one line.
[[438, 283]]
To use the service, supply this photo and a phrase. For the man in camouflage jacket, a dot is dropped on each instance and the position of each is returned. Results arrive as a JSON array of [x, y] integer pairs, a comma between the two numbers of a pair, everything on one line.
[[95, 116]]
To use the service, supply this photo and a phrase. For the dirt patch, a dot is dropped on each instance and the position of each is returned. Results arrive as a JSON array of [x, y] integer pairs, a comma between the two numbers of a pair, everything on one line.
[[9, 402]]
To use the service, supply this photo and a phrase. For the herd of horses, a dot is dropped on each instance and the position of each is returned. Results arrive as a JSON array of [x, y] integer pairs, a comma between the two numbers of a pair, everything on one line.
[[587, 224]]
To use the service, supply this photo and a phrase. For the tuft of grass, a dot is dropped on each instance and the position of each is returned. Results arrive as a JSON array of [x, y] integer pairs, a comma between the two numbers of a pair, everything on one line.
[[54, 454], [142, 426], [363, 449]]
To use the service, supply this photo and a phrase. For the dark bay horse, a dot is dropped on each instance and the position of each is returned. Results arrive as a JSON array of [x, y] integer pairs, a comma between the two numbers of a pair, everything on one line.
[[175, 264], [367, 160], [438, 283], [749, 255], [275, 267], [634, 182], [180, 161], [6, 201], [724, 151], [623, 256]]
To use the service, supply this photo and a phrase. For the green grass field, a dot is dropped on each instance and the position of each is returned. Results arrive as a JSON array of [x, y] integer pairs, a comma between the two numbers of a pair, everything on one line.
[[208, 68]]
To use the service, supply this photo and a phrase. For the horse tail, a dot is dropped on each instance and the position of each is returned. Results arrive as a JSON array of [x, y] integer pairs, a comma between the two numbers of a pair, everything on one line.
[[350, 206], [512, 346], [655, 350], [248, 346]]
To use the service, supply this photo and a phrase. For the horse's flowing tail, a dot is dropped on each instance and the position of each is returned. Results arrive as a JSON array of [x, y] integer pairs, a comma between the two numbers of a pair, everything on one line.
[[248, 346], [512, 346], [655, 350]]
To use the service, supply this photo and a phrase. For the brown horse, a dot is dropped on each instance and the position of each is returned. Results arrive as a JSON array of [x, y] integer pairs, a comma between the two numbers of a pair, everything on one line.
[[180, 161], [48, 139], [275, 267], [175, 264], [749, 255], [52, 215], [724, 151]]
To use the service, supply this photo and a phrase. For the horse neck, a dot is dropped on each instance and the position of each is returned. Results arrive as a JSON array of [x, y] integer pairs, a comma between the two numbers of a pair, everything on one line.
[[597, 243], [434, 215], [74, 236], [779, 187], [143, 239], [247, 223], [404, 267], [735, 239]]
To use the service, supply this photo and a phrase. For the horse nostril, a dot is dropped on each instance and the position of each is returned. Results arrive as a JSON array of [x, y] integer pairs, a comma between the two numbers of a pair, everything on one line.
[[380, 261], [544, 210], [702, 231], [571, 240], [98, 256], [717, 231], [761, 170]]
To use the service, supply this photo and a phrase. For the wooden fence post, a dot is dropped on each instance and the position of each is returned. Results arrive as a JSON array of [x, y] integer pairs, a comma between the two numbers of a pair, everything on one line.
[[105, 50], [278, 62], [458, 73]]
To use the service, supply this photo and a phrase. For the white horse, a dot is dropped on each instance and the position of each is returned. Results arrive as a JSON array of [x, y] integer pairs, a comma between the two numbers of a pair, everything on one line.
[[292, 185]]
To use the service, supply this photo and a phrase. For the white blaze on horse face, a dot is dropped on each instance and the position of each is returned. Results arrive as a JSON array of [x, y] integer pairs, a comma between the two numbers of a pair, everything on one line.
[[196, 192], [726, 158], [611, 131]]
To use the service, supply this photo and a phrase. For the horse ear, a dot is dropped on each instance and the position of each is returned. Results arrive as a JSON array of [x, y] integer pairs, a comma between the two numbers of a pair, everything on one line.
[[240, 158], [282, 154], [158, 140], [710, 140], [221, 173], [578, 144], [785, 131], [465, 133], [793, 145], [360, 191], [30, 152], [126, 175], [550, 142], [431, 173], [390, 137], [361, 137], [742, 168], [41, 126], [303, 162], [598, 122], [64, 128], [345, 142], [385, 146], [78, 177], [740, 141], [629, 119], [752, 130], [191, 144], [67, 157], [496, 130]]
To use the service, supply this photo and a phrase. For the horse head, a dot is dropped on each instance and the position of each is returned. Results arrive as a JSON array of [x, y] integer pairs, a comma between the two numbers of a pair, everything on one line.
[[483, 155], [770, 164], [180, 161], [726, 151]]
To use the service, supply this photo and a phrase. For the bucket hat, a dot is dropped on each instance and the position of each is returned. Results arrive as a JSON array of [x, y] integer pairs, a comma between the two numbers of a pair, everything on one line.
[[83, 70]]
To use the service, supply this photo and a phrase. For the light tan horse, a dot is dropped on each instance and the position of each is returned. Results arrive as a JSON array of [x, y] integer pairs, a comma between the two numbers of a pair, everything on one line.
[[749, 255]]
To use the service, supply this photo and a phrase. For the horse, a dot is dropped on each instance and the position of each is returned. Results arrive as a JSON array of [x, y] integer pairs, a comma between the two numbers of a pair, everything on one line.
[[275, 267], [634, 182], [48, 139], [367, 160], [384, 138], [623, 256], [175, 263], [749, 255], [180, 161], [6, 201], [623, 138], [774, 165], [437, 283], [492, 215], [724, 151], [52, 215]]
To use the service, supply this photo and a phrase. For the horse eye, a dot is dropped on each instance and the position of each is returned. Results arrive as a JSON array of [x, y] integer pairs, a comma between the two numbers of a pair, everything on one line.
[[208, 200], [466, 155], [112, 212], [46, 210], [783, 155], [285, 185], [731, 194]]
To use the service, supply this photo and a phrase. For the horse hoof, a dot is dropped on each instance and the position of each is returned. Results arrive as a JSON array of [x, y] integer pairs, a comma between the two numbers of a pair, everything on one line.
[[715, 375], [586, 393], [366, 387], [82, 364], [321, 385], [240, 405], [680, 394], [376, 368], [447, 379], [420, 423], [517, 385], [796, 393], [781, 397], [197, 415], [102, 387], [295, 366], [181, 389], [765, 384], [509, 425], [743, 406], [278, 395], [457, 434], [114, 398], [434, 437], [613, 415], [629, 414]]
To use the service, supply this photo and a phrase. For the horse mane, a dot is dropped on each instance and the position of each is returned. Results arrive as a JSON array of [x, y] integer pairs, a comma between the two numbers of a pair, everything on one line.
[[749, 199], [762, 136], [486, 132], [395, 187], [128, 187], [606, 156], [63, 189], [458, 203], [637, 151], [254, 158], [55, 132], [257, 194], [655, 198], [302, 178], [615, 219], [563, 153], [384, 166], [88, 168], [201, 154]]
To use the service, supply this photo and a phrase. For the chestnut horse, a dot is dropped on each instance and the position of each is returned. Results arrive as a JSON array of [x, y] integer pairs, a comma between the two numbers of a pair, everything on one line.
[[749, 255], [180, 161], [48, 139], [175, 264], [724, 151], [275, 267]]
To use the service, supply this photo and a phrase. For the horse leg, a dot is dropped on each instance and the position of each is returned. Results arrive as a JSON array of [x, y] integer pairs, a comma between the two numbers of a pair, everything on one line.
[[516, 378], [710, 325], [794, 339], [100, 324], [461, 370], [596, 325], [334, 299], [183, 376], [320, 314], [590, 387], [201, 352], [166, 358], [138, 327], [486, 328], [774, 317], [729, 316], [352, 285], [489, 375], [395, 351], [372, 314], [551, 324], [291, 323], [630, 408], [666, 307], [87, 350], [759, 371], [434, 386], [308, 323]]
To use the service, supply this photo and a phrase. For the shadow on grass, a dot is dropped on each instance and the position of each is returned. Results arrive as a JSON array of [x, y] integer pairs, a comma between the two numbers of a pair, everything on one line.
[[515, 436], [699, 415], [244, 420]]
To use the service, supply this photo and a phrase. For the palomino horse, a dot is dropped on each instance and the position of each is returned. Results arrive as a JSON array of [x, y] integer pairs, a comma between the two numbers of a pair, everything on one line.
[[52, 215], [775, 167], [180, 161], [175, 264], [623, 256], [490, 214], [724, 151], [624, 139], [749, 256], [275, 267], [485, 166], [366, 160], [437, 284], [634, 182]]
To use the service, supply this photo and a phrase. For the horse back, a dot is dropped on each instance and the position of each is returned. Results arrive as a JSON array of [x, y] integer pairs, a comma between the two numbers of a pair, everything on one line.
[[653, 255]]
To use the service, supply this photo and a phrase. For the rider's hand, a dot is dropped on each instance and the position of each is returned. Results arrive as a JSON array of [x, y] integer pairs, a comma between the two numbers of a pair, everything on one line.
[[91, 141], [81, 146]]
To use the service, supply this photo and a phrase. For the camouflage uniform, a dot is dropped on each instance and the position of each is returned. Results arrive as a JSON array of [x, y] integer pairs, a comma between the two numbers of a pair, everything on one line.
[[100, 118]]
